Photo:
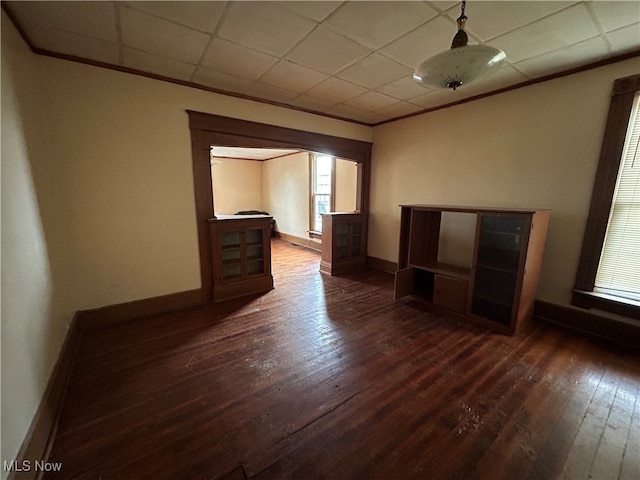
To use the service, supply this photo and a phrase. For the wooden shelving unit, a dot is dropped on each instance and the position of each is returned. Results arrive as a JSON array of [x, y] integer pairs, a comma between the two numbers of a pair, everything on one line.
[[241, 255], [344, 247], [499, 288]]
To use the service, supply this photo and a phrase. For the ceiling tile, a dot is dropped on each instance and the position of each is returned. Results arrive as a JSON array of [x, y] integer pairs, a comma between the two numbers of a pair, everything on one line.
[[615, 15], [422, 43], [201, 16], [80, 46], [374, 71], [92, 19], [261, 90], [371, 101], [264, 26], [399, 109], [221, 81], [237, 60], [370, 118], [487, 20], [403, 88], [314, 10], [327, 51], [158, 65], [374, 24], [560, 30], [346, 111], [445, 5], [625, 39], [436, 98], [565, 58], [161, 37], [291, 76], [312, 103], [336, 90]]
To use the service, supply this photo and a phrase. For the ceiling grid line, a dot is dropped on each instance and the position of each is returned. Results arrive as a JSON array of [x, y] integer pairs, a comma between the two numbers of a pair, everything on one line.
[[210, 42]]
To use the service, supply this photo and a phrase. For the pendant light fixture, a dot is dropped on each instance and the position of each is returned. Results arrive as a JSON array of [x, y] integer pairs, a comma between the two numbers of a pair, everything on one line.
[[462, 64]]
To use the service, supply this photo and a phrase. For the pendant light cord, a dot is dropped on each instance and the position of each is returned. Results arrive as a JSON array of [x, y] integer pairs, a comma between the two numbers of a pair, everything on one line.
[[462, 15], [461, 39]]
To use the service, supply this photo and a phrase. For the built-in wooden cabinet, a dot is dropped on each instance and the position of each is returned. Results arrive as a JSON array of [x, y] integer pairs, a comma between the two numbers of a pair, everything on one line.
[[344, 242], [241, 255], [498, 288]]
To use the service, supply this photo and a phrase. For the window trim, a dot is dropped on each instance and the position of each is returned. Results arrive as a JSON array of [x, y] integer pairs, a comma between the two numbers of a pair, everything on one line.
[[622, 96], [332, 198]]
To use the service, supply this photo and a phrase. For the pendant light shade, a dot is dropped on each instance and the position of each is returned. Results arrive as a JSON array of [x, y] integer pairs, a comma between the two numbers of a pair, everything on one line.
[[462, 64]]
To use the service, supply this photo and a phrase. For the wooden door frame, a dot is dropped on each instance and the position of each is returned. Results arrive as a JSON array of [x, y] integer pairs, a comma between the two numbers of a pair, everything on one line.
[[207, 129]]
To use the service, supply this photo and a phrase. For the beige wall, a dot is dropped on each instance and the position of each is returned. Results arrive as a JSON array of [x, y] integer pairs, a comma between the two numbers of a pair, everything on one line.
[[237, 185], [286, 193], [537, 146], [346, 182], [97, 202], [36, 301]]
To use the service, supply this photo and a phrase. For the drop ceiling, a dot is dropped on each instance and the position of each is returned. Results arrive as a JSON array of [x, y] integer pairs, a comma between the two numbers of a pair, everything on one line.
[[350, 60]]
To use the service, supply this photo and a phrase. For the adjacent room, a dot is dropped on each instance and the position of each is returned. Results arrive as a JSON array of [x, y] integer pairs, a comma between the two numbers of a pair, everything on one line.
[[280, 182], [277, 240]]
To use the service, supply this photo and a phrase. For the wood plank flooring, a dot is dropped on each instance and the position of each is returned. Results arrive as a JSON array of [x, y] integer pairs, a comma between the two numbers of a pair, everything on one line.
[[327, 377]]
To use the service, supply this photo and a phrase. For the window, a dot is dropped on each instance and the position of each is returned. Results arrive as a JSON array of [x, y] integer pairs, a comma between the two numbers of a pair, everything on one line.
[[322, 190], [619, 267], [608, 272]]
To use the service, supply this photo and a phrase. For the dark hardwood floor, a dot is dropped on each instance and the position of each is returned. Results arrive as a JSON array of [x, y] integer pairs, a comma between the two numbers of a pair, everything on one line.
[[327, 377]]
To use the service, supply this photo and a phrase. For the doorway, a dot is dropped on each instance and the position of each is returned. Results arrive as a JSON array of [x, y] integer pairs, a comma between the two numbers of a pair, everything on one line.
[[208, 130]]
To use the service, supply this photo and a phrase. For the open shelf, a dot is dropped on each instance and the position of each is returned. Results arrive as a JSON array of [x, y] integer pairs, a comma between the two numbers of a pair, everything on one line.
[[445, 269], [423, 284]]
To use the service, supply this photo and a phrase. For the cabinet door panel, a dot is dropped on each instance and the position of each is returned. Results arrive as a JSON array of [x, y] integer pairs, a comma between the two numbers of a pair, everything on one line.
[[501, 243], [253, 236], [255, 267], [403, 283], [230, 239], [231, 270], [495, 285], [450, 293], [241, 257], [496, 312]]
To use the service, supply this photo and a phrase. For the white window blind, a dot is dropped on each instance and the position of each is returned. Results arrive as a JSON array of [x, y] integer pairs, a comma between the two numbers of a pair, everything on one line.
[[619, 268]]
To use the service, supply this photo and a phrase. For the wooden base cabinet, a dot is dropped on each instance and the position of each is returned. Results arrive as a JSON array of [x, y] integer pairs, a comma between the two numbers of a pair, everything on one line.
[[499, 288], [241, 255], [344, 247]]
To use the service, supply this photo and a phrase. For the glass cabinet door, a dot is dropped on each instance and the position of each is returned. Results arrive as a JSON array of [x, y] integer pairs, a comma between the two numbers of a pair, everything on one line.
[[500, 246], [341, 240], [240, 256], [355, 228], [254, 251], [231, 254], [346, 241]]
